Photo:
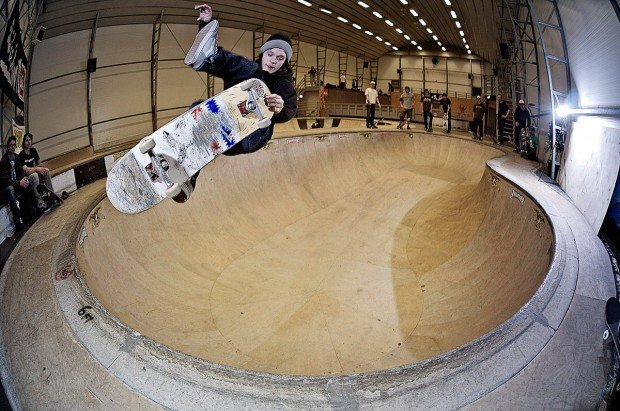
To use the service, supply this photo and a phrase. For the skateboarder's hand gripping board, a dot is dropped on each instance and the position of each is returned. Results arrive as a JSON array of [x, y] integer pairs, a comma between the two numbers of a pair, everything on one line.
[[161, 164]]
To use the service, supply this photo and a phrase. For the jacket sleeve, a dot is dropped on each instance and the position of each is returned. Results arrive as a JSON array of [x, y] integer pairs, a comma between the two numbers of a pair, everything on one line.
[[286, 90], [5, 176]]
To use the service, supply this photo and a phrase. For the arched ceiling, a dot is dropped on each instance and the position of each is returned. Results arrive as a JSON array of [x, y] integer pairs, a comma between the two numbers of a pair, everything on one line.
[[479, 20]]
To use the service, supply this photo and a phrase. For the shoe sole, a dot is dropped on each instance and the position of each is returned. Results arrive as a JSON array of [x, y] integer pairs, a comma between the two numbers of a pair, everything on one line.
[[201, 40]]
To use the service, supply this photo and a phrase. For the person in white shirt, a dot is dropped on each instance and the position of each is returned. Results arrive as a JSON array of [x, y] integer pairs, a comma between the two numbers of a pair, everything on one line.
[[343, 80], [372, 99]]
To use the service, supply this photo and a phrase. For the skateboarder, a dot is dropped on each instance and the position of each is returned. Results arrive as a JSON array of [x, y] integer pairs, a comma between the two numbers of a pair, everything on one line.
[[372, 99], [446, 105], [427, 105], [272, 66], [522, 119], [406, 103], [478, 117]]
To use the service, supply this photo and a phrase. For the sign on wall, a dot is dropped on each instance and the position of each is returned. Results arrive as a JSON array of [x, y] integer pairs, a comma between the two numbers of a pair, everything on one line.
[[13, 61]]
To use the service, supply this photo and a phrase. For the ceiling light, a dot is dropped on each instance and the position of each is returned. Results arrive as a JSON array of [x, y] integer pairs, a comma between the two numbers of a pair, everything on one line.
[[394, 48], [357, 26], [305, 3], [405, 2], [464, 40], [458, 25], [368, 32], [422, 22], [448, 3], [429, 31], [342, 19], [462, 33], [414, 43], [399, 31], [435, 38], [443, 49], [453, 14], [377, 14], [387, 43], [468, 51], [389, 23], [419, 48], [467, 46], [364, 5], [378, 38], [326, 11], [439, 43], [415, 13], [407, 37]]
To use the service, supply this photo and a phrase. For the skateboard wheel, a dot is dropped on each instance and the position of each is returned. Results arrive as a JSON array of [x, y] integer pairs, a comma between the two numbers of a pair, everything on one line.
[[606, 335], [174, 190], [266, 122], [186, 191], [146, 145], [246, 85]]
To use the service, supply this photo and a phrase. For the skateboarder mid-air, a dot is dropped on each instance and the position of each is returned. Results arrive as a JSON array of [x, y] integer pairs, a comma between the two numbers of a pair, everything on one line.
[[272, 66]]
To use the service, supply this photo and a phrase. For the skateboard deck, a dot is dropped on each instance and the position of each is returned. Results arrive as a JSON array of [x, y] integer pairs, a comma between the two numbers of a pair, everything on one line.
[[51, 199], [161, 164], [445, 123]]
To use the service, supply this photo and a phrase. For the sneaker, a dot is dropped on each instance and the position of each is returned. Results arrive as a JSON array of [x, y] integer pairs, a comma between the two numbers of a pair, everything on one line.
[[430, 130], [408, 128], [204, 46]]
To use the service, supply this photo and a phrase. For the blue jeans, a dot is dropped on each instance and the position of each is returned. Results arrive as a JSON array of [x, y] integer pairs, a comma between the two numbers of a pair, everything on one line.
[[234, 69]]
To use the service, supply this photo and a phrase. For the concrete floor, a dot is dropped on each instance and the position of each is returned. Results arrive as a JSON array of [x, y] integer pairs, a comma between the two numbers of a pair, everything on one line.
[[349, 270]]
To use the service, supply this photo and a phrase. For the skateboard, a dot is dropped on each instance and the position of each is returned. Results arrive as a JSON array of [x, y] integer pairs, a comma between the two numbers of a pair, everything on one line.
[[162, 164], [51, 199], [445, 123], [612, 320]]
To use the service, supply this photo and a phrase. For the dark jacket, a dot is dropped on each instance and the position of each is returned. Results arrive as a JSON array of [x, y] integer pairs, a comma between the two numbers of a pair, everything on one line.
[[5, 172], [522, 116]]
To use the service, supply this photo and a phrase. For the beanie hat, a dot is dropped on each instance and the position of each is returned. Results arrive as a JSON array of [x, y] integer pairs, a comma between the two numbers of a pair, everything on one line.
[[279, 41]]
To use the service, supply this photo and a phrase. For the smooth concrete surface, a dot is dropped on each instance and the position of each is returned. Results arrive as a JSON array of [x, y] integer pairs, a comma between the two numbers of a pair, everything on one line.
[[459, 283]]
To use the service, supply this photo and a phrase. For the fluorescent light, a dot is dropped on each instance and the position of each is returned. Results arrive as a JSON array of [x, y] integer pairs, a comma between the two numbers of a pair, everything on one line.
[[429, 30], [462, 33], [378, 38], [342, 19], [415, 13], [377, 14], [439, 43], [468, 51], [448, 3], [357, 26], [443, 49], [458, 25], [399, 31], [389, 23], [453, 14], [368, 32], [414, 43], [326, 11], [562, 110], [422, 22], [467, 46], [435, 38], [407, 37], [405, 2], [364, 5], [419, 48], [394, 48], [464, 40], [305, 3], [387, 43]]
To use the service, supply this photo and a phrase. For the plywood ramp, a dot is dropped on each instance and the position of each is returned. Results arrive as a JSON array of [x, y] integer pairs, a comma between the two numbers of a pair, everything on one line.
[[325, 256]]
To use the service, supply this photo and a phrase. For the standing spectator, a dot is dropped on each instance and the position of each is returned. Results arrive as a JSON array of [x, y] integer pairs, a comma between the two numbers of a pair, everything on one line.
[[354, 84], [343, 80], [502, 114], [29, 159], [446, 105], [427, 105], [522, 119], [312, 74], [478, 118], [15, 184], [372, 99], [406, 103]]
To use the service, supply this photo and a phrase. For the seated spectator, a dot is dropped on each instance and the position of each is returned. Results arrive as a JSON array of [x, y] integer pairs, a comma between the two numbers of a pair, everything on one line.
[[29, 159], [15, 184]]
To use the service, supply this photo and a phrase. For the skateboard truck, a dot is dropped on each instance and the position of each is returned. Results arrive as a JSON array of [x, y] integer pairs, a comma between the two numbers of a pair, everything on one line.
[[179, 192], [252, 102]]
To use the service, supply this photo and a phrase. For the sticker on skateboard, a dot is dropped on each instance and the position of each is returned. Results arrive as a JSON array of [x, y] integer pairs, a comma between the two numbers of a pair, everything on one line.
[[162, 164]]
